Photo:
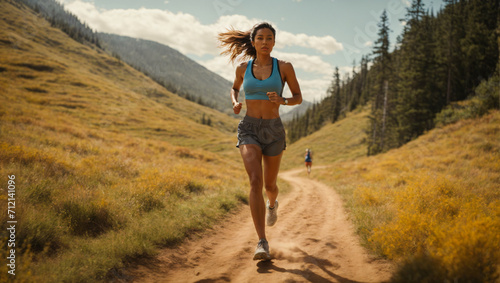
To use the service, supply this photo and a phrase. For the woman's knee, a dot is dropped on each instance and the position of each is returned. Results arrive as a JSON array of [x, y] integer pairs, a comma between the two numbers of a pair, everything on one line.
[[271, 187], [255, 183]]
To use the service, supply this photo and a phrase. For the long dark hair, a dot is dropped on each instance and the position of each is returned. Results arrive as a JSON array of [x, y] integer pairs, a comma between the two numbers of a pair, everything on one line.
[[236, 42]]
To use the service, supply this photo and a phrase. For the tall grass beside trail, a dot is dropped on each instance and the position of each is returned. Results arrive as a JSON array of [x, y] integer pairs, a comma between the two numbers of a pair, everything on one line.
[[87, 205], [433, 205], [108, 165]]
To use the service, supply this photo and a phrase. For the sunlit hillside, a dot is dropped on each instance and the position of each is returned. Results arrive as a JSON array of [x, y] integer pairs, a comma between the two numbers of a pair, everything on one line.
[[343, 140], [169, 67], [108, 165], [432, 205]]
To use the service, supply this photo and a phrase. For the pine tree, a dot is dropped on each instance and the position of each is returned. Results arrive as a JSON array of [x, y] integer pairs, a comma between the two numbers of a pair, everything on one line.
[[478, 45], [355, 93], [336, 99], [438, 59], [380, 105], [362, 87], [449, 35], [414, 105]]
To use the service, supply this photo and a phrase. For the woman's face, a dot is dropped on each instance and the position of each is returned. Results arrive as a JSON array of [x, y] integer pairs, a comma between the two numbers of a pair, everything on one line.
[[264, 41]]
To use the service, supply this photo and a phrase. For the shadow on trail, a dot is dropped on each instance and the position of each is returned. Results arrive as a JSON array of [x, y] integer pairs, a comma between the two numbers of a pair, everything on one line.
[[309, 275]]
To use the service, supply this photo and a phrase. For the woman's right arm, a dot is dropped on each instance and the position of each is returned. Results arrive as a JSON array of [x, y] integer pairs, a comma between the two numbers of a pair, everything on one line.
[[235, 90]]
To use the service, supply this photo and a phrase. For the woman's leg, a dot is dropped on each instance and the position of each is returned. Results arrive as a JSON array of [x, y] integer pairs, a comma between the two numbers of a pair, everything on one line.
[[271, 169], [252, 158]]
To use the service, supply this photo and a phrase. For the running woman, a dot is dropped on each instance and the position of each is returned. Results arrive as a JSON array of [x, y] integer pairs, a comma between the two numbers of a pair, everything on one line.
[[308, 161], [261, 135]]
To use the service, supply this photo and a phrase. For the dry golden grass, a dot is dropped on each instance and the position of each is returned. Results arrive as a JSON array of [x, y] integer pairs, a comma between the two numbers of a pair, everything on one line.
[[432, 205], [344, 140], [109, 165]]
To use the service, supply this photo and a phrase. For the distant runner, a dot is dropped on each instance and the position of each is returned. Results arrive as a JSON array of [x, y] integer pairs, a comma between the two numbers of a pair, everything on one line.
[[308, 161]]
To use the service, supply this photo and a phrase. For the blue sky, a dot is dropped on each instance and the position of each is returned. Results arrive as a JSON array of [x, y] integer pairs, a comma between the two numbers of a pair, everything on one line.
[[314, 35]]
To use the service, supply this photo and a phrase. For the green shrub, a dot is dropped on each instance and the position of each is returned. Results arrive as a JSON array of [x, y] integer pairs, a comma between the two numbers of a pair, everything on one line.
[[41, 233], [86, 218], [486, 98], [148, 201], [40, 193]]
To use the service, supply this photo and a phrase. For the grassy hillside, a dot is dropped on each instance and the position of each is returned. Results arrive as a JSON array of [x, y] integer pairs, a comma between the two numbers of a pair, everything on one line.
[[432, 205], [108, 165], [342, 140], [169, 67]]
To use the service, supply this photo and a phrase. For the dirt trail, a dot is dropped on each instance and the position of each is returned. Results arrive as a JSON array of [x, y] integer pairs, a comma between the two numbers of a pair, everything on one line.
[[313, 241]]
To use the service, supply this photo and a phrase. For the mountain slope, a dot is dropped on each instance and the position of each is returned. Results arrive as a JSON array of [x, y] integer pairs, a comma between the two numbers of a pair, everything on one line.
[[107, 163], [60, 77], [433, 205], [162, 63], [171, 68], [297, 110], [342, 140]]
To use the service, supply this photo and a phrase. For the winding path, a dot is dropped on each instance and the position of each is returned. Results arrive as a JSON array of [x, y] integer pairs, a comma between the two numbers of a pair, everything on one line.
[[313, 241]]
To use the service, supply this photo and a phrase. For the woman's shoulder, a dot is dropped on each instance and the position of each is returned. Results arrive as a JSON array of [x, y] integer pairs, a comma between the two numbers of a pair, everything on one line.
[[243, 64], [284, 65], [283, 62], [241, 67]]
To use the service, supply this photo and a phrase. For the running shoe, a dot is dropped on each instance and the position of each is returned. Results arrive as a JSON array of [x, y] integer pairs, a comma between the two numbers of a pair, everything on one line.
[[272, 214], [262, 251]]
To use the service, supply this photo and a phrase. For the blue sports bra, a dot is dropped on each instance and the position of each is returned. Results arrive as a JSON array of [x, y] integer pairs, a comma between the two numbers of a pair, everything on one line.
[[257, 89]]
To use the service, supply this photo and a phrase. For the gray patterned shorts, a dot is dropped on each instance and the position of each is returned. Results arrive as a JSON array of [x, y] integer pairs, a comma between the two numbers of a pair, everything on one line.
[[268, 134]]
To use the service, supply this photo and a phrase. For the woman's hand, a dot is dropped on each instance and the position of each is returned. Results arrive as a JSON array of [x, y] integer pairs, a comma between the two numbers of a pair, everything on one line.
[[237, 107], [275, 98]]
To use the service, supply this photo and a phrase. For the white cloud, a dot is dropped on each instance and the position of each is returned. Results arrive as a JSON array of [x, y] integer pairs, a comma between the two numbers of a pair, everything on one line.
[[183, 31], [221, 66], [187, 34], [326, 44], [345, 71], [369, 43], [307, 63], [238, 22], [314, 89], [178, 30]]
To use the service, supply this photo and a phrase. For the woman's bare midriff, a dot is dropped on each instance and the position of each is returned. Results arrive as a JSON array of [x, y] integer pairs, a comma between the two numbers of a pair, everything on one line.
[[262, 109]]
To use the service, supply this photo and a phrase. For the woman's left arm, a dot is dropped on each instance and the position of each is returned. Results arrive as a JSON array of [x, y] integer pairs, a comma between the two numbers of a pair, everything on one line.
[[293, 84]]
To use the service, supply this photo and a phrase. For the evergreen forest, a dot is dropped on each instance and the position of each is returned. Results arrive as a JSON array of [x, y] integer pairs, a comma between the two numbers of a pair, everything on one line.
[[438, 61]]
